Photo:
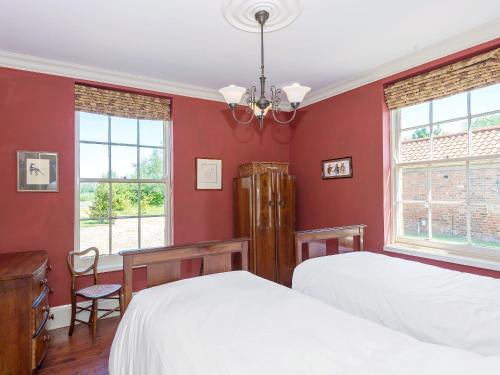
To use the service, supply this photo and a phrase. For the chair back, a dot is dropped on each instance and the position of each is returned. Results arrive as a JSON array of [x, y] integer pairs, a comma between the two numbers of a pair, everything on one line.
[[71, 264]]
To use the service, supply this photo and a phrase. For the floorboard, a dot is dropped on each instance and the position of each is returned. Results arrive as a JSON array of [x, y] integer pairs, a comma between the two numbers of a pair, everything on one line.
[[76, 355]]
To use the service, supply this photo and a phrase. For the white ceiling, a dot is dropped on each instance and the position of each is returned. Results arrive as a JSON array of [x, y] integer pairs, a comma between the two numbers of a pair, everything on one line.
[[190, 42]]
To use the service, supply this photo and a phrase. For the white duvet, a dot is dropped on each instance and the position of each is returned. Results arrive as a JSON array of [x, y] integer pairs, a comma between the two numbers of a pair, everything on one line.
[[429, 303], [236, 323]]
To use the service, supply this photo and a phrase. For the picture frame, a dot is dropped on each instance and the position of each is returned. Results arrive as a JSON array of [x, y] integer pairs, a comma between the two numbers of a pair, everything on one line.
[[37, 171], [337, 168], [208, 174]]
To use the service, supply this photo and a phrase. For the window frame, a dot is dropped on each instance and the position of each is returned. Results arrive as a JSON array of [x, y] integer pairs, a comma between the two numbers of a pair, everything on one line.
[[114, 262], [467, 254]]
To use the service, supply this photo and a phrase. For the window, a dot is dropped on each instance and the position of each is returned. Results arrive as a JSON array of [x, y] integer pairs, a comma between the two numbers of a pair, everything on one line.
[[123, 184], [446, 168]]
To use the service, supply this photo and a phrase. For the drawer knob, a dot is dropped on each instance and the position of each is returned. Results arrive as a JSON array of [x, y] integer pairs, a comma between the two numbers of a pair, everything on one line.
[[51, 316], [51, 290], [46, 338], [49, 267], [43, 282]]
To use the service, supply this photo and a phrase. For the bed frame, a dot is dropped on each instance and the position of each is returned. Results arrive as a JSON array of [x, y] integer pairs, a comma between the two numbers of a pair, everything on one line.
[[314, 241], [163, 264]]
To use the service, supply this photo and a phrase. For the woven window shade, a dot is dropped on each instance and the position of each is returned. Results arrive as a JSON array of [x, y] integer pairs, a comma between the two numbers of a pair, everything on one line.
[[477, 71], [122, 104]]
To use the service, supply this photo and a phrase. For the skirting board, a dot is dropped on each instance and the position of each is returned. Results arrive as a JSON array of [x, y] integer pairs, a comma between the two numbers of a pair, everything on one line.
[[62, 313]]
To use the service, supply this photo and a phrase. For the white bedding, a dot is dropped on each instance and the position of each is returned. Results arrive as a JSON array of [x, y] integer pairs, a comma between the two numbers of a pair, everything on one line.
[[236, 323], [429, 303]]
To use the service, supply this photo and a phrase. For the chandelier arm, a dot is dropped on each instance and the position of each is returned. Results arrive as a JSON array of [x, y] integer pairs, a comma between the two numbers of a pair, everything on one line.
[[284, 122], [239, 121]]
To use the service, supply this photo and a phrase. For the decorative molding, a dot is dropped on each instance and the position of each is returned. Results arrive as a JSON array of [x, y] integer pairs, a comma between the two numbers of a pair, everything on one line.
[[471, 38], [468, 39], [91, 73], [241, 13]]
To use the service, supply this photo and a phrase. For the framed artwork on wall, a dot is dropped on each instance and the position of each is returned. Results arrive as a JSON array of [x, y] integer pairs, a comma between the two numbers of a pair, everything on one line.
[[337, 168], [208, 174], [37, 171]]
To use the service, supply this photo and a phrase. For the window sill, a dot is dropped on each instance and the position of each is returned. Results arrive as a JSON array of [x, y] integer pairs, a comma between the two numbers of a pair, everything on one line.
[[107, 263], [444, 255]]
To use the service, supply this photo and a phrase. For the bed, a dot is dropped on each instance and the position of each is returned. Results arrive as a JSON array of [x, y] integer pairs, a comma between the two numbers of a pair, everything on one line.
[[432, 304], [233, 322]]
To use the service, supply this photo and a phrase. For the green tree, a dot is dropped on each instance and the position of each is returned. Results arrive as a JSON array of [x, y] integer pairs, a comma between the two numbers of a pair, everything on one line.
[[486, 122], [424, 132], [99, 209]]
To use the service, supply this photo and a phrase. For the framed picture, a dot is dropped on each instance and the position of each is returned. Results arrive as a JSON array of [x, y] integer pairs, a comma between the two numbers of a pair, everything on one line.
[[337, 168], [37, 171], [208, 174]]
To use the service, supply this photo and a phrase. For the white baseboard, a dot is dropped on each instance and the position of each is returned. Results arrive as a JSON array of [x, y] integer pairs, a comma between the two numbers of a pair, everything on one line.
[[62, 313]]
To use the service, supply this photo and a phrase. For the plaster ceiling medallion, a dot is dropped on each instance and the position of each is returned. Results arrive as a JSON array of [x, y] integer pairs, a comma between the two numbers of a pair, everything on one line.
[[241, 13]]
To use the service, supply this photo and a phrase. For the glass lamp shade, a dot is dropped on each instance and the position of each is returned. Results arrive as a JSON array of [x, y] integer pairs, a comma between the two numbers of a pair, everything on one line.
[[257, 111], [295, 93], [232, 94]]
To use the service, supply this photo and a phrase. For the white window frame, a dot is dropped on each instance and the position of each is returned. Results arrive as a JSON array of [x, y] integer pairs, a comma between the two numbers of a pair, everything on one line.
[[465, 254], [114, 262]]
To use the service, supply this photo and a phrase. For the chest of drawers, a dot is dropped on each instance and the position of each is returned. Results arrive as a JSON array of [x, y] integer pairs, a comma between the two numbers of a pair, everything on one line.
[[24, 311]]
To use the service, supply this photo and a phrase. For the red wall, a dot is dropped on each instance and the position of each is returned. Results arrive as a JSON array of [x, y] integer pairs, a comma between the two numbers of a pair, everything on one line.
[[37, 113], [354, 123]]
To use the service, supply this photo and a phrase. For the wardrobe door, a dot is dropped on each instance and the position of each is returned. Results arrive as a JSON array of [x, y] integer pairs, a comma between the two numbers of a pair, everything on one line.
[[285, 226], [264, 246]]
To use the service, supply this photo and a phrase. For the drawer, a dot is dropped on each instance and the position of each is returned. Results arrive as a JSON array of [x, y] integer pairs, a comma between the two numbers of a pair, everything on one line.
[[39, 348], [41, 312], [40, 281]]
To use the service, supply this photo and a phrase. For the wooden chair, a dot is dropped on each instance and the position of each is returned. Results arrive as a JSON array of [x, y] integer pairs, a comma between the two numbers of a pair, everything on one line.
[[93, 293]]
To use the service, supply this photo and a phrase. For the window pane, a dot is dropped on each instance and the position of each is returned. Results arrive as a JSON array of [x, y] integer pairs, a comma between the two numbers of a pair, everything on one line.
[[488, 121], [123, 130], [415, 145], [151, 132], [125, 198], [448, 108], [484, 182], [87, 198], [414, 221], [93, 161], [485, 225], [123, 162], [415, 115], [93, 127], [450, 140], [95, 233], [125, 234], [98, 207], [485, 141], [449, 222], [152, 232], [151, 163], [414, 183], [448, 183], [486, 99], [152, 199]]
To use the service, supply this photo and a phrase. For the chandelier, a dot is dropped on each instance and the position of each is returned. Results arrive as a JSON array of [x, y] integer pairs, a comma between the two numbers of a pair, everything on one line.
[[260, 106]]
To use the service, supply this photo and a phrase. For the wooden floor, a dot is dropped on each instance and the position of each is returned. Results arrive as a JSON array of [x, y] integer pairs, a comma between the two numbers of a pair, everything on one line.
[[76, 354]]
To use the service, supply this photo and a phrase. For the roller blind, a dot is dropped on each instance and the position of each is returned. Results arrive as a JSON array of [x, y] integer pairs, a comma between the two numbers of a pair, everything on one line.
[[122, 104], [475, 72]]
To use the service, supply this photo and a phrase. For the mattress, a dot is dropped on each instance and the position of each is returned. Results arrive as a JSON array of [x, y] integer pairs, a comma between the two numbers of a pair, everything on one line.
[[237, 323], [432, 304]]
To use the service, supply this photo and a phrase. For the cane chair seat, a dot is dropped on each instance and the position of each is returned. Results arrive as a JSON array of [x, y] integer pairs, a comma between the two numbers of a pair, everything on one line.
[[98, 290]]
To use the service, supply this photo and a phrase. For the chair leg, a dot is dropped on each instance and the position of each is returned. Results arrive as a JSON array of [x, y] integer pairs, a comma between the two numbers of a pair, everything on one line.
[[120, 302], [73, 315], [94, 320]]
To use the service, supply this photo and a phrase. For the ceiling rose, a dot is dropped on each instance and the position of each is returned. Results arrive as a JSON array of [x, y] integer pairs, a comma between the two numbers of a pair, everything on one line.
[[241, 13]]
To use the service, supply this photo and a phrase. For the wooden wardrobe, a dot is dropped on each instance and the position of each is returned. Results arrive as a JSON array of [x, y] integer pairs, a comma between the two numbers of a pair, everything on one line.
[[264, 204]]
